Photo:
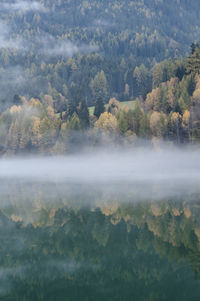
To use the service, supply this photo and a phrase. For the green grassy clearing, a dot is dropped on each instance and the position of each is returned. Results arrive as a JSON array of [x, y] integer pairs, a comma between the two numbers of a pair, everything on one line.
[[130, 104]]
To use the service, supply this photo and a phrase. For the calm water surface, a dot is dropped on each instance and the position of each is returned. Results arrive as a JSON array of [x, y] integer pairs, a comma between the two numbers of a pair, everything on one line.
[[73, 242]]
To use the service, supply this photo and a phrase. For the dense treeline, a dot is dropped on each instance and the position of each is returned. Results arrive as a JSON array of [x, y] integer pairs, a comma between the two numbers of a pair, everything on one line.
[[171, 111], [64, 56], [62, 46]]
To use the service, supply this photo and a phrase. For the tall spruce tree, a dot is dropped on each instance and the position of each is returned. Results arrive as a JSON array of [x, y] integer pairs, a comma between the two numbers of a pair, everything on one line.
[[71, 108], [193, 61], [83, 113], [100, 92], [99, 107]]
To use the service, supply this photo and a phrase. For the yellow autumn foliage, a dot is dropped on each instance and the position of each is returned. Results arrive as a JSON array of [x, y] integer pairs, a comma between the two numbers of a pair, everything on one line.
[[50, 112], [186, 118], [196, 96], [36, 137], [113, 106], [107, 122], [175, 118], [158, 124], [15, 110], [153, 100], [34, 102]]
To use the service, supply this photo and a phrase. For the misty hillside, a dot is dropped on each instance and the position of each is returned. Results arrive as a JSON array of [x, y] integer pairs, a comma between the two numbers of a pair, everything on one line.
[[76, 74], [60, 46]]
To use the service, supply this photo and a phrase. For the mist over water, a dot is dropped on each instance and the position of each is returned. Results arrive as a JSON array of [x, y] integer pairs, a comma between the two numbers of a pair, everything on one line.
[[79, 216], [107, 167], [124, 175]]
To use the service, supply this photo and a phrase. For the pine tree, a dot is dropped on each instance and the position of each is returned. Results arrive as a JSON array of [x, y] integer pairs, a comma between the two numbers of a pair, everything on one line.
[[100, 92], [83, 114], [74, 123], [99, 107], [144, 130], [137, 117], [193, 61], [17, 100], [71, 108]]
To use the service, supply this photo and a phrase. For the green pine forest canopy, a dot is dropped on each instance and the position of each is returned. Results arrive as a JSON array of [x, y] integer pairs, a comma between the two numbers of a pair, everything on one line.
[[122, 59], [63, 47], [171, 111]]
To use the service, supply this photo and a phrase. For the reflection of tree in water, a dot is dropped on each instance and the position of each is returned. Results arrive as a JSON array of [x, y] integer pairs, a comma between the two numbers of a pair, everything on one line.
[[128, 252]]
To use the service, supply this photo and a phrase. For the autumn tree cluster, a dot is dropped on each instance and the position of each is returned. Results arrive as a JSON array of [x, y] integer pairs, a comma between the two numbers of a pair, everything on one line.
[[53, 125]]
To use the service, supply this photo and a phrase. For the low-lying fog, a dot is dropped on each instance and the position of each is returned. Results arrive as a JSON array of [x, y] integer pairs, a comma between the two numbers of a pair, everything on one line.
[[171, 171], [29, 184], [107, 167]]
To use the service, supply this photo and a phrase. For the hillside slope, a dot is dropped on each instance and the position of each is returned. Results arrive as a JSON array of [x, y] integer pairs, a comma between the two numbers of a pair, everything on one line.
[[60, 46]]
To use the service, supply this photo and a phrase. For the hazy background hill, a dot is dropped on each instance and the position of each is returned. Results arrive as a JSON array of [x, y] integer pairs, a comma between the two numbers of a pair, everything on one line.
[[58, 47]]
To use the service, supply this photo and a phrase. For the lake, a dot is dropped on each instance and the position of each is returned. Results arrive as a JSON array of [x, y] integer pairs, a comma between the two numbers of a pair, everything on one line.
[[99, 239]]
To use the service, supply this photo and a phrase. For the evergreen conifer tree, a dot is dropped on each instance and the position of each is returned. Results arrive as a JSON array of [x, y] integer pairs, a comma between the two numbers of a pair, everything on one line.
[[99, 107], [83, 114]]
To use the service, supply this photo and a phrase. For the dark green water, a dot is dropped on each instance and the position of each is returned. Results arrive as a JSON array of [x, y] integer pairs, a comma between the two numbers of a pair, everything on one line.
[[84, 244]]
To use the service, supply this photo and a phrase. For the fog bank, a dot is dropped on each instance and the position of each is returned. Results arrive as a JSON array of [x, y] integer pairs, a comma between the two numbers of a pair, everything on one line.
[[29, 185], [103, 167]]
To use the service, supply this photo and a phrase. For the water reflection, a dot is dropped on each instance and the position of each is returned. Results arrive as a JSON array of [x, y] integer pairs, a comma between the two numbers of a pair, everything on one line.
[[27, 199], [83, 243]]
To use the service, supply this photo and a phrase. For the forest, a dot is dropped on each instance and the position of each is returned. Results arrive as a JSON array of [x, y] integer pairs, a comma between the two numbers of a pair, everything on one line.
[[170, 112], [59, 59]]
